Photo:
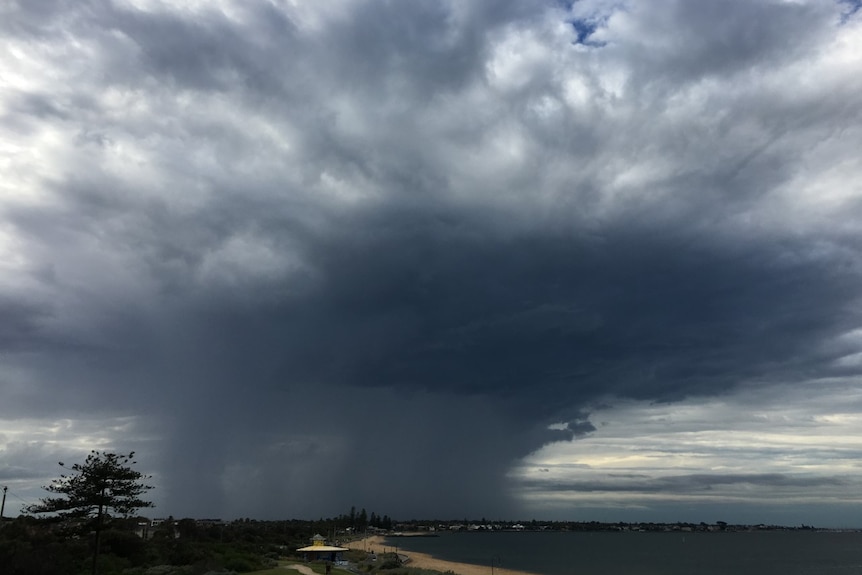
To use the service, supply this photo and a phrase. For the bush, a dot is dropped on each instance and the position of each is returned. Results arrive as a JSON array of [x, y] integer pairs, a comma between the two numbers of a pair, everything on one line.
[[124, 544], [390, 563], [240, 564]]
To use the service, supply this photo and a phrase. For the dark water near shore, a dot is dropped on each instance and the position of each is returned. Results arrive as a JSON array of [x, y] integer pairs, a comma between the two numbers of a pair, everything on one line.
[[628, 553]]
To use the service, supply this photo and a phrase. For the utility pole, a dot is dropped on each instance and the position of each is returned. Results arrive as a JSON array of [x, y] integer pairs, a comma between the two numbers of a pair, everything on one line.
[[494, 559], [3, 505]]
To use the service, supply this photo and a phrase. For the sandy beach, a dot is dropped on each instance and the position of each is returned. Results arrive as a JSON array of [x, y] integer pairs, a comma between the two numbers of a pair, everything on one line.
[[425, 561]]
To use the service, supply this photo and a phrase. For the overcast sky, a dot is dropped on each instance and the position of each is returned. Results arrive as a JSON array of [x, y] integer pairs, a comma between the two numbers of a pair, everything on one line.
[[594, 260]]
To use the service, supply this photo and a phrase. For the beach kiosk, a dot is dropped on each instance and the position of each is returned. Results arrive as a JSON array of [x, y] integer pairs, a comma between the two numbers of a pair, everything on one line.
[[320, 551]]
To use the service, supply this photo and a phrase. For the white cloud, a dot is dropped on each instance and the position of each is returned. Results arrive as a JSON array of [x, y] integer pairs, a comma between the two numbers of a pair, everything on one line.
[[32, 448], [742, 447]]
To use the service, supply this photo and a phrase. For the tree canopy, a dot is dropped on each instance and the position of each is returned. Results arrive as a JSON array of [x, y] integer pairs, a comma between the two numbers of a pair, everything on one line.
[[105, 482]]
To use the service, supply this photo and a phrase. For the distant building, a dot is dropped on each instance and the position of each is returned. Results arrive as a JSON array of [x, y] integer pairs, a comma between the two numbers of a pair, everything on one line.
[[320, 551], [146, 528]]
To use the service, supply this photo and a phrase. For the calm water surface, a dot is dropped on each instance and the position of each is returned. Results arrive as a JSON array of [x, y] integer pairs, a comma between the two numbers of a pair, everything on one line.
[[758, 553]]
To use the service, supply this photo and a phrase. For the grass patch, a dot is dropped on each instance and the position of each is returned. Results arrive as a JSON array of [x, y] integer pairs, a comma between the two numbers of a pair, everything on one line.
[[416, 571], [319, 568]]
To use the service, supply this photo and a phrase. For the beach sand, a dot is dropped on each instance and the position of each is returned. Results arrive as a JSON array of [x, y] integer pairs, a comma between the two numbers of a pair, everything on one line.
[[425, 561]]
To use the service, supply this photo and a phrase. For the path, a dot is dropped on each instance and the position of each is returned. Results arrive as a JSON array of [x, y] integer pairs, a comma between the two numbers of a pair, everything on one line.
[[304, 569]]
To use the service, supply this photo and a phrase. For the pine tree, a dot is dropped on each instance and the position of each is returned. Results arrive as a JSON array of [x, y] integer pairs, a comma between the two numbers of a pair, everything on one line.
[[105, 482]]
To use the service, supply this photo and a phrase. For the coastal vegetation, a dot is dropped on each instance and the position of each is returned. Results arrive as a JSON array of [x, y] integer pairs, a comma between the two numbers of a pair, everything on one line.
[[134, 546], [140, 546], [104, 483]]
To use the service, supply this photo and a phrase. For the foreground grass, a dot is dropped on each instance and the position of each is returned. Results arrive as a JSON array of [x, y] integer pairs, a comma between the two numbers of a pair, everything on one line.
[[320, 569], [284, 569]]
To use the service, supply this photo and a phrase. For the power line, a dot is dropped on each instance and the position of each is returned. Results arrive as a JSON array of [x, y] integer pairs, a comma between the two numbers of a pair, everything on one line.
[[16, 496]]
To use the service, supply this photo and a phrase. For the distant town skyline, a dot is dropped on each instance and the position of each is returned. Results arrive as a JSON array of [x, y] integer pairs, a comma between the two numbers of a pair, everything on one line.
[[590, 260]]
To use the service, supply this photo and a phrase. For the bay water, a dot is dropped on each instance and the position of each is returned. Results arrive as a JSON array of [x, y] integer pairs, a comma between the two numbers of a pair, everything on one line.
[[649, 553]]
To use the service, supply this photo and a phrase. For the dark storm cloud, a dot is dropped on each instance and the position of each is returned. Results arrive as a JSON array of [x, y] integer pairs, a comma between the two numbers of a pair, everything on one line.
[[533, 327], [345, 258], [10, 472], [634, 310], [20, 325]]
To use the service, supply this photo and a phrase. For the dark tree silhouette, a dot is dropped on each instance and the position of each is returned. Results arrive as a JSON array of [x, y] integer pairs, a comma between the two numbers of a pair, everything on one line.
[[105, 482]]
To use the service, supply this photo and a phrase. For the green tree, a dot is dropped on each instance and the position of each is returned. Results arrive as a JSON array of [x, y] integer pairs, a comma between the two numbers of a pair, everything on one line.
[[105, 482]]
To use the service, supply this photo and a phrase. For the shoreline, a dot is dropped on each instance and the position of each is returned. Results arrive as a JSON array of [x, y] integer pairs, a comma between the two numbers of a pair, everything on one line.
[[426, 561]]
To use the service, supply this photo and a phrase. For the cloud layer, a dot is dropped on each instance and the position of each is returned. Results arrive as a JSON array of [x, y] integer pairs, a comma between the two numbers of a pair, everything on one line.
[[353, 253]]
